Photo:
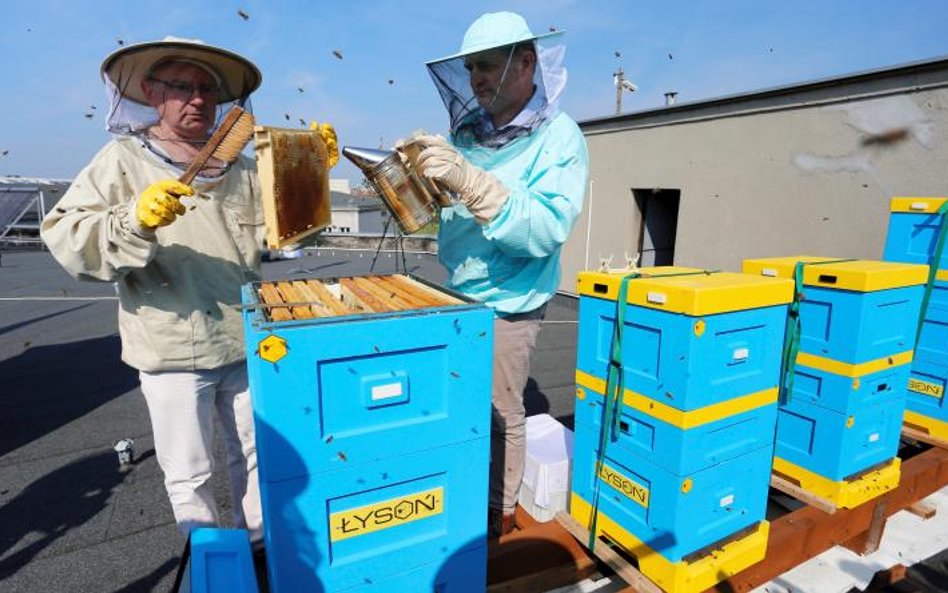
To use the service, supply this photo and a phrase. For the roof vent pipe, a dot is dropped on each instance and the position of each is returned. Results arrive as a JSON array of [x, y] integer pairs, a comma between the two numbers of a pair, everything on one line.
[[670, 98]]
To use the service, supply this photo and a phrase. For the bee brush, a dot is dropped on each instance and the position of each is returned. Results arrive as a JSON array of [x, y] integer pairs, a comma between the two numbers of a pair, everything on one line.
[[224, 144]]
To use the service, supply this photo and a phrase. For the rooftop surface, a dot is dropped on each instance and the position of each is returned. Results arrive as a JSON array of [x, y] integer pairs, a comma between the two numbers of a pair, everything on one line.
[[70, 519]]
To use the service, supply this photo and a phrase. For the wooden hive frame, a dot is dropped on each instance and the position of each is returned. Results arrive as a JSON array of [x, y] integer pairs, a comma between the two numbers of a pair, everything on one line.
[[288, 300], [292, 166]]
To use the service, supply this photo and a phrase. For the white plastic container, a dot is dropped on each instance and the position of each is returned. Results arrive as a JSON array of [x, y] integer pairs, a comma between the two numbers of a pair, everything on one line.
[[546, 476]]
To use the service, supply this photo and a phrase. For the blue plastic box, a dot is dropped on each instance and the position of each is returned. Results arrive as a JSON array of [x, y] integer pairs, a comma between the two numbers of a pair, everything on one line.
[[932, 344], [926, 389], [848, 394], [422, 515], [690, 340], [673, 514], [359, 388], [221, 561], [683, 442], [913, 231], [855, 311], [835, 445]]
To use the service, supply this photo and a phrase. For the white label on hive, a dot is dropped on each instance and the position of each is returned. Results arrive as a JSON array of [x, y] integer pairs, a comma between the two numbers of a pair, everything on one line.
[[657, 297], [386, 391], [769, 272], [874, 437], [741, 353], [727, 500], [919, 206]]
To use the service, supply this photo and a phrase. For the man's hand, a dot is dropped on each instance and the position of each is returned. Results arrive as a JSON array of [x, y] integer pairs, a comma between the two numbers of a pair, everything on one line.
[[481, 192], [328, 134], [159, 205]]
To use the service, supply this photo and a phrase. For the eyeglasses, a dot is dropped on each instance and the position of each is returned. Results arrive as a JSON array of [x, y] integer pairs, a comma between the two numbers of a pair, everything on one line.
[[185, 90]]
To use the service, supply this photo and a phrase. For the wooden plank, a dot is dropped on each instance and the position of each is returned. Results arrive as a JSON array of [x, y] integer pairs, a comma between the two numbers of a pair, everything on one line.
[[419, 289], [807, 532], [924, 437], [535, 557], [328, 298], [414, 301], [291, 295], [355, 295], [922, 510], [271, 296], [620, 565], [787, 487], [389, 297], [884, 579], [317, 306], [868, 542], [411, 288]]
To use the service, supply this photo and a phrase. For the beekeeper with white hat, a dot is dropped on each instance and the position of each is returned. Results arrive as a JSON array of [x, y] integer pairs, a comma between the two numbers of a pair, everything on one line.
[[519, 168]]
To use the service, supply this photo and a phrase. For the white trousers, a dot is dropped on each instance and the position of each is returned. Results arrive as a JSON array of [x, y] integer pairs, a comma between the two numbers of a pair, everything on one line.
[[181, 406]]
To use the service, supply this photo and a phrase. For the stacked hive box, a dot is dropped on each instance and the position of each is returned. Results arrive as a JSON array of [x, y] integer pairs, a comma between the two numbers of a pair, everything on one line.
[[372, 409], [914, 226], [684, 487], [838, 428]]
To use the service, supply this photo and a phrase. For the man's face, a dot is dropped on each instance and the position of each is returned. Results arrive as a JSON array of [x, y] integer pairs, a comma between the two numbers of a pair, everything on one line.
[[185, 96], [497, 92]]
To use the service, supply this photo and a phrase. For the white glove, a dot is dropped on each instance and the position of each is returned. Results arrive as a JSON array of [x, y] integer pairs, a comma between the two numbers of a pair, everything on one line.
[[481, 192]]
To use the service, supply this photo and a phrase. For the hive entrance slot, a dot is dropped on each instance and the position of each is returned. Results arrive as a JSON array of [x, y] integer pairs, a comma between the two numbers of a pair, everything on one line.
[[827, 279], [599, 288]]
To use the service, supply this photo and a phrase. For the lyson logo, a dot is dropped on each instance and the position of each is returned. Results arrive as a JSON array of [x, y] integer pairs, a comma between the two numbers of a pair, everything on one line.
[[926, 388], [385, 514], [635, 491]]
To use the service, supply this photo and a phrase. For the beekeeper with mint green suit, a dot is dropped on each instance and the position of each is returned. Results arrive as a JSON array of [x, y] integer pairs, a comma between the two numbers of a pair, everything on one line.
[[519, 168]]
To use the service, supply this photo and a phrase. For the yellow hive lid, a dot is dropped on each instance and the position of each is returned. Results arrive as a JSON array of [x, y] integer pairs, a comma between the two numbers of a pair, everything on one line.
[[858, 275], [918, 205], [666, 289]]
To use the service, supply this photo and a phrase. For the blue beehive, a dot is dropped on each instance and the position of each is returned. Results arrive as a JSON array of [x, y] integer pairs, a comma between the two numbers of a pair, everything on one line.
[[671, 514], [849, 388], [914, 224], [691, 338], [926, 409], [681, 442], [838, 446], [372, 411], [854, 311], [932, 344]]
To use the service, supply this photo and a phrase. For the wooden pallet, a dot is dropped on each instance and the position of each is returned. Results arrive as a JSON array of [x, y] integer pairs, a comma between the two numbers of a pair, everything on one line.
[[794, 538], [807, 532]]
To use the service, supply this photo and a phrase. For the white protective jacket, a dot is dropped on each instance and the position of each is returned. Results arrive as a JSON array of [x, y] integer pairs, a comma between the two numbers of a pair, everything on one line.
[[179, 284]]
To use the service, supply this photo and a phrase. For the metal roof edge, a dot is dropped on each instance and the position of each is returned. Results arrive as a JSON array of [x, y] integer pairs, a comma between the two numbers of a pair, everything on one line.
[[728, 105]]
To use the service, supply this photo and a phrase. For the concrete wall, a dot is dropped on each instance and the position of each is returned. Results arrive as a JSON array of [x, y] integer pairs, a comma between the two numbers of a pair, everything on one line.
[[806, 169]]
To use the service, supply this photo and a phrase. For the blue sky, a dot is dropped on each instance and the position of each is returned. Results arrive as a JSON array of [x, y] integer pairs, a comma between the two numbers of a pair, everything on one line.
[[51, 51]]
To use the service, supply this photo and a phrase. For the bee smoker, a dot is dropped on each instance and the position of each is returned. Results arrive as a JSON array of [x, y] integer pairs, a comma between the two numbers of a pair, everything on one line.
[[411, 199]]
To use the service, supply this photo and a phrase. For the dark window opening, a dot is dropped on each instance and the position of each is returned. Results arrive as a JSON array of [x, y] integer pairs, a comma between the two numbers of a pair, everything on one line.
[[658, 210]]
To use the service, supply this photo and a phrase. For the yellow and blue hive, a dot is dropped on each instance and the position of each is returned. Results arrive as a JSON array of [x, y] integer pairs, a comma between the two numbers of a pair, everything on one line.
[[915, 224], [838, 426], [688, 470], [371, 402]]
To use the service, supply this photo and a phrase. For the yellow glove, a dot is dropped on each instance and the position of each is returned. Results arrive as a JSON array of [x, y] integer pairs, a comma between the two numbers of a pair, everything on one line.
[[159, 205], [328, 134]]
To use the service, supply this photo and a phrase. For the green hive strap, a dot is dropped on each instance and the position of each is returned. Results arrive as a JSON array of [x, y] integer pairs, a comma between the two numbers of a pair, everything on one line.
[[791, 338], [615, 387], [932, 271]]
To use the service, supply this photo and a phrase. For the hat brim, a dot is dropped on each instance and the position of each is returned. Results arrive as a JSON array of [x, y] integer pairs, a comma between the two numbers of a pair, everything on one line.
[[487, 47], [127, 67]]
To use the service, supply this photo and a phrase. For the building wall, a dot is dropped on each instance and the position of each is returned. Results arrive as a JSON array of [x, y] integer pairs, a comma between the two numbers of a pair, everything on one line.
[[782, 177], [355, 221]]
